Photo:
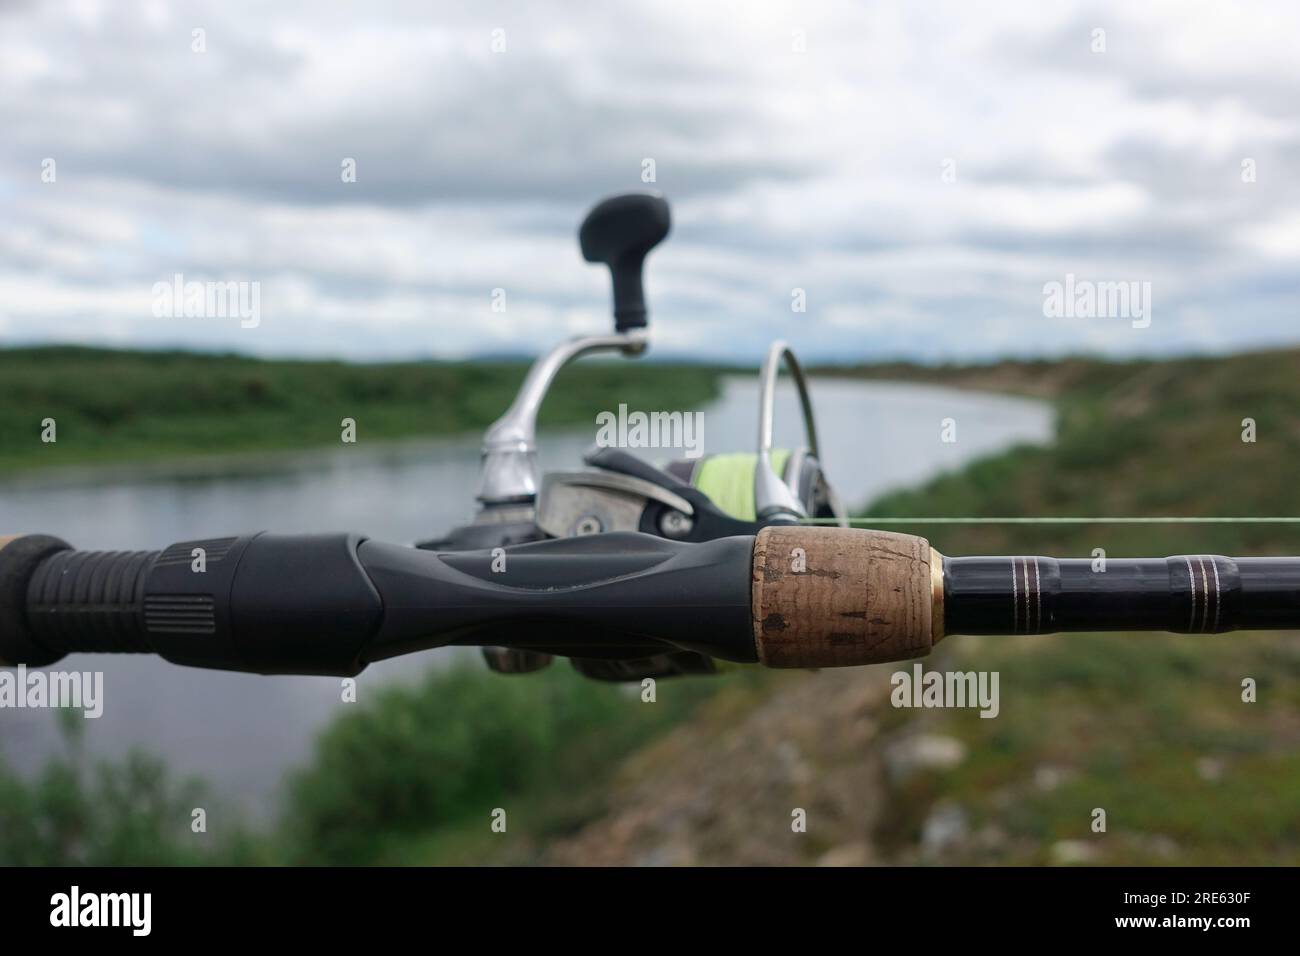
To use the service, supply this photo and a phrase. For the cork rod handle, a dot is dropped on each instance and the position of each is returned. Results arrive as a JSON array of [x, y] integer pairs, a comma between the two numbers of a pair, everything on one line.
[[839, 597]]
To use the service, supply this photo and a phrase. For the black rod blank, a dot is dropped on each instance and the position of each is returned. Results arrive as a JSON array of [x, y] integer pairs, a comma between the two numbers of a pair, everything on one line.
[[1186, 594]]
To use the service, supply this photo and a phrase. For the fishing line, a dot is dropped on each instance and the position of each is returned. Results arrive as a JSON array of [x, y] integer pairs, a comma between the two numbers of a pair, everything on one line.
[[1164, 519]]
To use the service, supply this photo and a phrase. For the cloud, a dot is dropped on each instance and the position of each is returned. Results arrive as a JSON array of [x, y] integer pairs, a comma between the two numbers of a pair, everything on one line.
[[920, 172]]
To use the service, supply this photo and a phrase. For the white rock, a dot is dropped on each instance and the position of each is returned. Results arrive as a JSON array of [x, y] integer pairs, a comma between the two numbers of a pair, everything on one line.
[[943, 829], [1047, 777], [1072, 852], [1209, 768], [923, 752]]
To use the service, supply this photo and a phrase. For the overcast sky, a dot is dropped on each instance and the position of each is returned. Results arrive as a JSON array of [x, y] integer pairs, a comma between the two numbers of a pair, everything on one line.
[[803, 145]]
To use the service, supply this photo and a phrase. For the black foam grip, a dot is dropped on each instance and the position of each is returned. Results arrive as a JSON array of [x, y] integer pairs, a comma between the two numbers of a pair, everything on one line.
[[91, 601], [19, 561]]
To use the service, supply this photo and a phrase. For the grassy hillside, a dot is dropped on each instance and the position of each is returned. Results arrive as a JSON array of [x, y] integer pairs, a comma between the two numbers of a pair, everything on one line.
[[1150, 727], [112, 406]]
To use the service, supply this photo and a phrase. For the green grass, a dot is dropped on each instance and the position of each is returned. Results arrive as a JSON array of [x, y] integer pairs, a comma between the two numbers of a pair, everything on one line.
[[120, 406], [1132, 724], [414, 774], [132, 812]]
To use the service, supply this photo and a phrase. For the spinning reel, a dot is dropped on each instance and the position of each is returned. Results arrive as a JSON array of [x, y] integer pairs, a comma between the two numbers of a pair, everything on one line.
[[690, 500]]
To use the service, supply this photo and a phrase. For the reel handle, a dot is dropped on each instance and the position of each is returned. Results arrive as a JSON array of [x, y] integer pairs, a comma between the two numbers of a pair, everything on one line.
[[620, 232]]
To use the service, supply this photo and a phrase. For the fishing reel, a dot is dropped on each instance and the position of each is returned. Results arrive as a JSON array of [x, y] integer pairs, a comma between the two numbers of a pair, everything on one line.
[[712, 496]]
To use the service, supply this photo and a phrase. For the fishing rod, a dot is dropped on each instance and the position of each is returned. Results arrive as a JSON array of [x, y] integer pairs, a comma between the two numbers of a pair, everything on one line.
[[627, 569], [788, 596]]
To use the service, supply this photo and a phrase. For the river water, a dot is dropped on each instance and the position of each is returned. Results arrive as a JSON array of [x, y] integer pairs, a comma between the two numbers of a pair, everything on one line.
[[241, 732]]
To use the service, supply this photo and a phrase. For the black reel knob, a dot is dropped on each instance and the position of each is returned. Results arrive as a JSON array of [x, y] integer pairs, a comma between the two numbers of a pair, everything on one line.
[[619, 232]]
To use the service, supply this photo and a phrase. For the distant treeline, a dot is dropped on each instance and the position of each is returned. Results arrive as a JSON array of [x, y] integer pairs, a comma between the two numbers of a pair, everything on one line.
[[116, 406]]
